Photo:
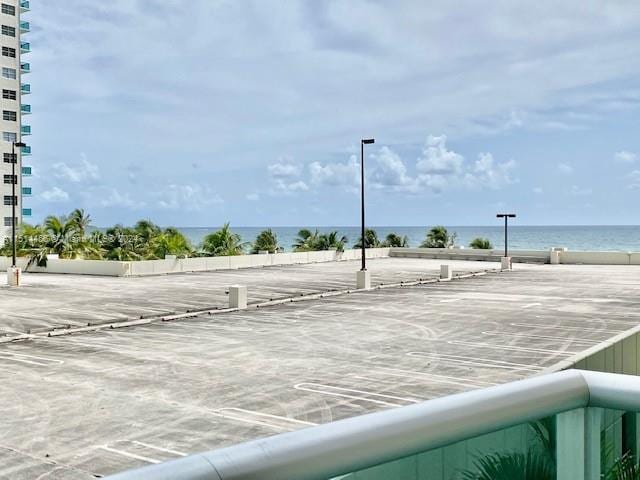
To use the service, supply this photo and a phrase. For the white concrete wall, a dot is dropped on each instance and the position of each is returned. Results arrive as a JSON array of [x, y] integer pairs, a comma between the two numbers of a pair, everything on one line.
[[565, 257], [201, 264]]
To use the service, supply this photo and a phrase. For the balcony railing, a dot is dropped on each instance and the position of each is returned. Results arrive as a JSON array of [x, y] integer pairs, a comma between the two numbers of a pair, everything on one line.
[[25, 109], [25, 68], [400, 440], [26, 191], [26, 150], [26, 212], [25, 89], [25, 129], [26, 171], [25, 27], [25, 47], [24, 6]]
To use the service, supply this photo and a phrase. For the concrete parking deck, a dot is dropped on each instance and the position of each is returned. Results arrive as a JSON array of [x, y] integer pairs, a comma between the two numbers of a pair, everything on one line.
[[50, 301], [86, 405]]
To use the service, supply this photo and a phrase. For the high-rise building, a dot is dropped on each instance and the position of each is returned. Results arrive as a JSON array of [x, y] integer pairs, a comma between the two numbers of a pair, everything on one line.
[[12, 124]]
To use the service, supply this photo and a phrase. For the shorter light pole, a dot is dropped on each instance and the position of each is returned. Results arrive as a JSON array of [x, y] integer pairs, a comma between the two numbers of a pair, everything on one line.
[[14, 197], [506, 217]]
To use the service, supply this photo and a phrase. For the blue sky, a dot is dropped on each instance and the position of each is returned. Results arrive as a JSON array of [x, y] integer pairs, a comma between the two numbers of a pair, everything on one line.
[[195, 113]]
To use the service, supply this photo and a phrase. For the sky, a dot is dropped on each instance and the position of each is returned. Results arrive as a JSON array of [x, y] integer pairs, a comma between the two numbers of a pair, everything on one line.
[[201, 112]]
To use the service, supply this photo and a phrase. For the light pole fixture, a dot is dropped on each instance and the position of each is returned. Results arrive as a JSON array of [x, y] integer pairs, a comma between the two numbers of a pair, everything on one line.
[[14, 197], [506, 217], [363, 142]]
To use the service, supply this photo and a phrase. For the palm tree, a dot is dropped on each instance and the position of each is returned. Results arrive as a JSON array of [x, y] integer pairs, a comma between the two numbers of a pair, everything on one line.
[[395, 240], [305, 241], [481, 244], [370, 239], [146, 229], [223, 243], [331, 240], [66, 241], [169, 242], [512, 466], [265, 241], [80, 221], [438, 237]]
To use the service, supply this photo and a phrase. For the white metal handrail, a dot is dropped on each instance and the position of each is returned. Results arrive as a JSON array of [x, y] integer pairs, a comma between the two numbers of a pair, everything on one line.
[[345, 446]]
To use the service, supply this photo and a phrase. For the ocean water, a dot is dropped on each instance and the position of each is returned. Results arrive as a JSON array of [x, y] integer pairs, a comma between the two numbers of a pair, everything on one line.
[[592, 238]]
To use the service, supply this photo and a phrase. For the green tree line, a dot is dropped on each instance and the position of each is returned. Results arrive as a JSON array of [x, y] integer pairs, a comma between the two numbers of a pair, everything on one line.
[[72, 237]]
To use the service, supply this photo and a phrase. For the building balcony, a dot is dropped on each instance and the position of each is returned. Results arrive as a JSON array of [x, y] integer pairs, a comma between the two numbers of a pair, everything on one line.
[[25, 47], [24, 6], [26, 191], [25, 89], [26, 150], [25, 68], [26, 212], [25, 27], [25, 130], [26, 171], [25, 109]]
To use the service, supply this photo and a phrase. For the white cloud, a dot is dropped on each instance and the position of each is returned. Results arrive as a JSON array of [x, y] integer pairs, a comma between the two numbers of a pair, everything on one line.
[[634, 178], [625, 157], [188, 198], [83, 171], [285, 178], [487, 173], [437, 160], [336, 174], [565, 168], [111, 197], [538, 190], [284, 170], [253, 197], [390, 171], [577, 191], [55, 194]]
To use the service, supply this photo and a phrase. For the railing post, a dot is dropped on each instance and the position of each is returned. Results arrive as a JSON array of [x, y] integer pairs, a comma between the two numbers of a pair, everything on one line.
[[578, 444], [631, 434]]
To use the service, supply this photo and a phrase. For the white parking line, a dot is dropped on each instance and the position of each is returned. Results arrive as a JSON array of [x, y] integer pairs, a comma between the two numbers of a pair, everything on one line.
[[529, 305], [130, 455], [544, 337], [247, 416], [475, 362], [30, 359], [397, 372], [560, 327], [348, 393], [160, 449], [512, 348]]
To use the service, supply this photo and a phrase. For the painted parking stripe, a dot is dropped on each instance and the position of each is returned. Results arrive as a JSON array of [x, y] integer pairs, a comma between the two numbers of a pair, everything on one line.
[[512, 348], [543, 337], [560, 327], [353, 394], [30, 359], [261, 418], [160, 449], [396, 372], [475, 361], [129, 454]]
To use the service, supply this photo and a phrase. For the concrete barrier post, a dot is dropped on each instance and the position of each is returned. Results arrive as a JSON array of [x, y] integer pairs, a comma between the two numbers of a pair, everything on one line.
[[506, 263], [363, 279], [14, 275], [446, 272], [238, 296], [554, 258]]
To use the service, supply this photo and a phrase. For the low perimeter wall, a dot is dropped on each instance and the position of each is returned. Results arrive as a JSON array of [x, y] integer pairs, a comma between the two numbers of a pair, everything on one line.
[[563, 257], [200, 264]]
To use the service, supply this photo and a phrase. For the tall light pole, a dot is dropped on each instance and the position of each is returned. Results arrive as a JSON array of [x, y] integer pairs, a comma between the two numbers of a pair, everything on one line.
[[14, 197], [506, 217], [363, 142]]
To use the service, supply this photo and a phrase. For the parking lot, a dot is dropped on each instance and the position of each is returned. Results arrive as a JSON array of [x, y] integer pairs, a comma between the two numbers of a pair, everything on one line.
[[87, 405]]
